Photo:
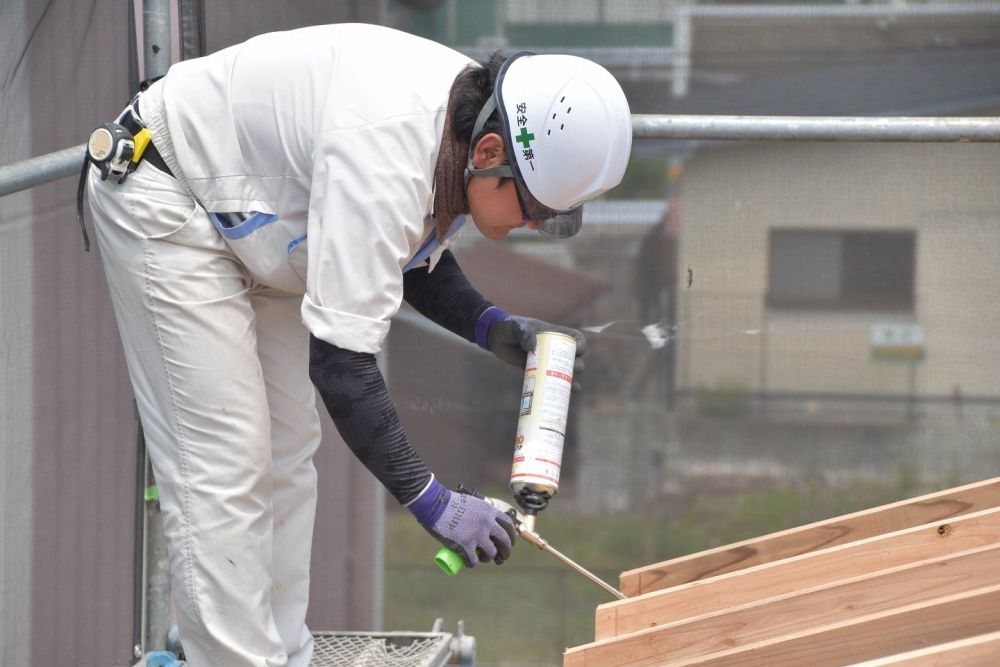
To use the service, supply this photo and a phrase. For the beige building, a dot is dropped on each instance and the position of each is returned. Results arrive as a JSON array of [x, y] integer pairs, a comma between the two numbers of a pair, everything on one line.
[[799, 253], [829, 308], [799, 263]]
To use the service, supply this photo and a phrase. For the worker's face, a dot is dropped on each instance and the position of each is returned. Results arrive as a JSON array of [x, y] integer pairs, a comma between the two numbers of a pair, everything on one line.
[[494, 206]]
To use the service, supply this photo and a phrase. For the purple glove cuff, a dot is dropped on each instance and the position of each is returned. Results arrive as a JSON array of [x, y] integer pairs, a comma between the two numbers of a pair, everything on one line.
[[430, 504], [486, 320]]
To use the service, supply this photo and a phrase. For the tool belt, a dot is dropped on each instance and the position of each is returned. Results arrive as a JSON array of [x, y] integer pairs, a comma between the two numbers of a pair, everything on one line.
[[116, 149], [133, 123]]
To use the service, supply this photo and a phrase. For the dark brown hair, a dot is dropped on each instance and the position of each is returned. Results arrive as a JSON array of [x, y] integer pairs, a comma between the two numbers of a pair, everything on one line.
[[472, 88]]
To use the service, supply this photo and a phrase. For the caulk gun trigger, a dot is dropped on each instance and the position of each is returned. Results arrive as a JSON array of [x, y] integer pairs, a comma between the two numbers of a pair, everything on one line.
[[462, 488]]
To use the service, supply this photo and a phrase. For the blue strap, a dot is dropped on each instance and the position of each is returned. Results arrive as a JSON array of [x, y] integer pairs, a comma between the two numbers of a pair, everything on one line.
[[431, 243], [238, 225]]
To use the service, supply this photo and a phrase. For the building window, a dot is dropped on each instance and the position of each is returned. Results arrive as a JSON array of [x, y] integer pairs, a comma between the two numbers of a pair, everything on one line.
[[841, 270]]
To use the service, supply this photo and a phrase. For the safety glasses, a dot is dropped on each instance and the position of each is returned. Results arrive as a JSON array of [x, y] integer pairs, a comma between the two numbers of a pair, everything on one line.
[[552, 223]]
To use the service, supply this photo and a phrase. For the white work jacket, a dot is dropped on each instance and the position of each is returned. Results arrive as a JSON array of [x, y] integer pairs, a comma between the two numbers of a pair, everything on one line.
[[331, 134]]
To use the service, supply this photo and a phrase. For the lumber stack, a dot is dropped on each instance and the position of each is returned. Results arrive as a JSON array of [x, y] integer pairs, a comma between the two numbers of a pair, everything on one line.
[[912, 583]]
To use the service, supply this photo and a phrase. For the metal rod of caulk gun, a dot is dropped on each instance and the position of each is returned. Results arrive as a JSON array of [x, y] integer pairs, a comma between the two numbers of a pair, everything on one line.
[[526, 530], [450, 562]]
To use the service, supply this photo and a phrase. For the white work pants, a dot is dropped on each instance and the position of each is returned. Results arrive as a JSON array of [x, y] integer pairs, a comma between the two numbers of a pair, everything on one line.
[[219, 366]]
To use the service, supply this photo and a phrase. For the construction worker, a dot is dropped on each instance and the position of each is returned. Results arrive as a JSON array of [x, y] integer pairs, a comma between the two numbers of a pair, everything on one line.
[[297, 188]]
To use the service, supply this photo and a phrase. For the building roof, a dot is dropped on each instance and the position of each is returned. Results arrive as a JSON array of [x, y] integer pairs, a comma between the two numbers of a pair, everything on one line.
[[927, 82]]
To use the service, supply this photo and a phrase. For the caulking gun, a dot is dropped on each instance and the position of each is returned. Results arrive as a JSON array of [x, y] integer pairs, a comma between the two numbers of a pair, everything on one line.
[[538, 447], [450, 562]]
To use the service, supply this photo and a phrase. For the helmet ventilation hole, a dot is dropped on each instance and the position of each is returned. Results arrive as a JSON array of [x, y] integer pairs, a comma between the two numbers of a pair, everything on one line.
[[568, 109], [555, 114]]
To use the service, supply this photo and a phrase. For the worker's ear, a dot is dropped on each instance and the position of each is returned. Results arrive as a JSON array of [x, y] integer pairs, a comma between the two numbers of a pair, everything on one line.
[[489, 151]]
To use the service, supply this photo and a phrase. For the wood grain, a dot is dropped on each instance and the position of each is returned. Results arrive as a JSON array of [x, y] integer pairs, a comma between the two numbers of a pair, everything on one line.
[[868, 637], [978, 651], [818, 568], [864, 637], [820, 535], [819, 606]]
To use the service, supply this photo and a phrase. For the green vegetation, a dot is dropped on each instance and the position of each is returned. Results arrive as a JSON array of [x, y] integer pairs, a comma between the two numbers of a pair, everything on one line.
[[644, 178], [724, 400], [527, 611]]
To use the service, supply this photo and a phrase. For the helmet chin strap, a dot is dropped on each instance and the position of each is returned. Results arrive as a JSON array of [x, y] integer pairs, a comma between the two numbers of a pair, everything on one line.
[[503, 170]]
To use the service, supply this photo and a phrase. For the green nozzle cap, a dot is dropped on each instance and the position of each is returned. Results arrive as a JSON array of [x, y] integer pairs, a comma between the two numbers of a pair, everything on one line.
[[449, 561]]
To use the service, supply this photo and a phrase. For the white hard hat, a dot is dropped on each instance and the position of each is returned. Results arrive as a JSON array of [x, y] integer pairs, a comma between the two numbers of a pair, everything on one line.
[[567, 132]]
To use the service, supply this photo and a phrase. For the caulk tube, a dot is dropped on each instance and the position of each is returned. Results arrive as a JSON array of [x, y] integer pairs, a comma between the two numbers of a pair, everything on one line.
[[541, 424]]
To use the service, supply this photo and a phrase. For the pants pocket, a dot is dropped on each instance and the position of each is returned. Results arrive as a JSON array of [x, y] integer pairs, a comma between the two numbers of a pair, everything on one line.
[[149, 205], [268, 247], [159, 205]]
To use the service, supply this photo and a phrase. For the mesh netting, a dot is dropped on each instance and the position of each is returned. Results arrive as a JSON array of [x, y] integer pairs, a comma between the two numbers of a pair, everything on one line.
[[381, 650]]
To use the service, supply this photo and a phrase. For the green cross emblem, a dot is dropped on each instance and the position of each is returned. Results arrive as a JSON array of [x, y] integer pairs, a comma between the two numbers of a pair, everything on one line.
[[525, 137]]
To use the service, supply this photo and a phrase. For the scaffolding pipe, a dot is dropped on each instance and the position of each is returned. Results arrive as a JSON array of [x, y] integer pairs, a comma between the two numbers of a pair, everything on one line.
[[816, 128], [156, 599], [40, 170], [155, 37], [53, 166]]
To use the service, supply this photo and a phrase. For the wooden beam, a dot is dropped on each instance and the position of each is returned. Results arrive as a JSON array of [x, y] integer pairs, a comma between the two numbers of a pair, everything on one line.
[[809, 570], [868, 637], [860, 638], [978, 651], [819, 606], [840, 530]]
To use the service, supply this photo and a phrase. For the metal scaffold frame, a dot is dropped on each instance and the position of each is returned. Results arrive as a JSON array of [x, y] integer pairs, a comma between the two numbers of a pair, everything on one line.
[[53, 166], [817, 128]]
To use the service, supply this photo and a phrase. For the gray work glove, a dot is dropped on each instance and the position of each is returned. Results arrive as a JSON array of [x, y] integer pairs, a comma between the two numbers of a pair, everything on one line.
[[469, 526], [511, 339]]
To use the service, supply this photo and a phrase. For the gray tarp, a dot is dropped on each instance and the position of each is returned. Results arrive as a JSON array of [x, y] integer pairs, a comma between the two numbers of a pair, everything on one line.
[[67, 423]]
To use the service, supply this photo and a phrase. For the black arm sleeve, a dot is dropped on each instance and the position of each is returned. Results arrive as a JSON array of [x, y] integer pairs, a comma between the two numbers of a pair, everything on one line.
[[445, 296], [357, 399]]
